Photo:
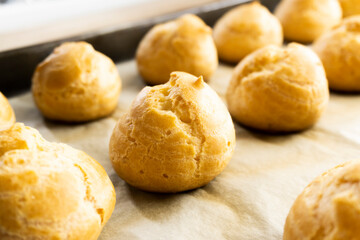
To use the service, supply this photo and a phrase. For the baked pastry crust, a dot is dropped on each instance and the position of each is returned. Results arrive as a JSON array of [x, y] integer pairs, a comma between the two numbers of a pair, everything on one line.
[[350, 7], [339, 51], [278, 89], [245, 29], [306, 20], [7, 116], [184, 44], [76, 83], [50, 190], [328, 208], [176, 137]]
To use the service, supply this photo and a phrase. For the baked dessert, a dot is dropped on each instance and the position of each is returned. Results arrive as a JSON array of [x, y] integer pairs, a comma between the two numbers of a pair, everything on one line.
[[278, 89], [306, 20], [176, 137], [328, 208], [338, 50], [50, 190], [7, 116], [350, 7], [245, 29], [184, 44], [19, 136], [76, 83]]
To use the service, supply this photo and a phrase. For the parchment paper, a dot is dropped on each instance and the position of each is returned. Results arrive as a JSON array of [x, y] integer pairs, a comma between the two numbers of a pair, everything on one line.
[[249, 200]]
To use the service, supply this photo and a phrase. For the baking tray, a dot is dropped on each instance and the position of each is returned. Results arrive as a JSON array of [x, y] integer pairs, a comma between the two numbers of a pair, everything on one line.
[[249, 200], [17, 66]]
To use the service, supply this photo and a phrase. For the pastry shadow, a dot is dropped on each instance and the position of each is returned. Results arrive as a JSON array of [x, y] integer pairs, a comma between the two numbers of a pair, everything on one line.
[[228, 63], [242, 131], [59, 123], [345, 93], [156, 206], [268, 132]]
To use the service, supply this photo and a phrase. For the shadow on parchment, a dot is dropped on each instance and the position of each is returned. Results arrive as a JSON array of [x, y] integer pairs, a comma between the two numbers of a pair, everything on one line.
[[243, 131], [156, 206], [345, 93]]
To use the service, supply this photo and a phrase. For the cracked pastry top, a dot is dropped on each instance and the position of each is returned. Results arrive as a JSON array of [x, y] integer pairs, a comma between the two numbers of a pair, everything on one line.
[[339, 51], [76, 83], [278, 89], [184, 44], [50, 190], [7, 116], [306, 20], [245, 29], [176, 137], [328, 208]]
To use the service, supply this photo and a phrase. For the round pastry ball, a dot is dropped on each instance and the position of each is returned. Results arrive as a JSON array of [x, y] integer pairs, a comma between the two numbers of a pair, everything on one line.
[[245, 29], [184, 44], [49, 190], [350, 7], [328, 208], [76, 83], [7, 116], [306, 20], [339, 51], [176, 137], [278, 89], [19, 136]]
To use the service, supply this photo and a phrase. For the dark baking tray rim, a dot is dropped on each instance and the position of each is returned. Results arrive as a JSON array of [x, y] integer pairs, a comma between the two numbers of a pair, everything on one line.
[[17, 66]]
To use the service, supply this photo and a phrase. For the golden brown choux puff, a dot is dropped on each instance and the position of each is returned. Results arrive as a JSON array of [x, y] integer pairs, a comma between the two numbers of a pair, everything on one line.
[[245, 29], [278, 89], [176, 137], [328, 208], [350, 7], [306, 20], [184, 44], [50, 190], [339, 51], [7, 116], [76, 83]]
